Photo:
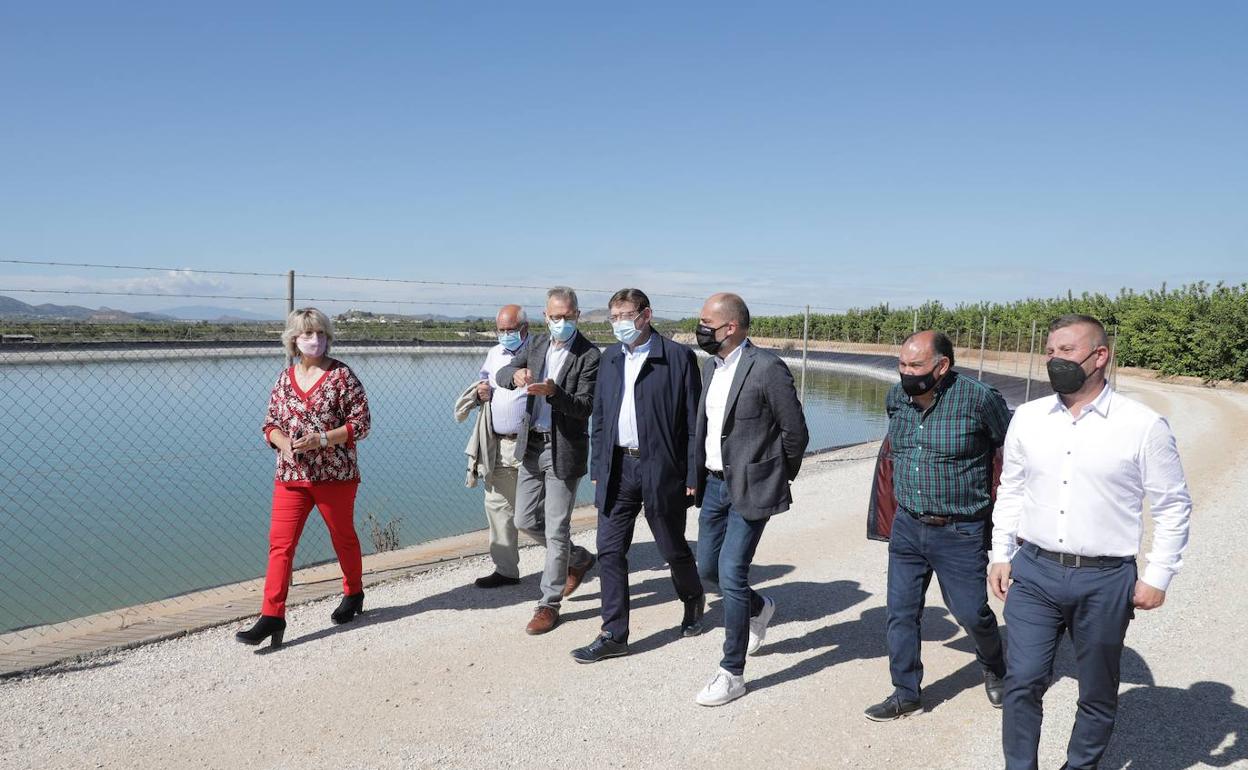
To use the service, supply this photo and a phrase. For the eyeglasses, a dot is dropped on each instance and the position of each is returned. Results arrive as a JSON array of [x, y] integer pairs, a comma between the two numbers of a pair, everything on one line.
[[632, 316], [557, 318]]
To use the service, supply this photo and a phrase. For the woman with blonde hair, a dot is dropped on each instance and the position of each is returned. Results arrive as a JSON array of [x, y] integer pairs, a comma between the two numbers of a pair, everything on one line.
[[317, 412]]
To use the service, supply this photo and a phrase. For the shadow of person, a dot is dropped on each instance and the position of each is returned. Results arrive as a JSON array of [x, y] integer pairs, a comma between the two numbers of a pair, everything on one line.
[[859, 639], [659, 590], [1169, 728], [459, 598]]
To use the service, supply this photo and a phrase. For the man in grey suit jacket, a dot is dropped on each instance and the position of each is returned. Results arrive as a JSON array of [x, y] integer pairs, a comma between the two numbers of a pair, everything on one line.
[[559, 371], [751, 436]]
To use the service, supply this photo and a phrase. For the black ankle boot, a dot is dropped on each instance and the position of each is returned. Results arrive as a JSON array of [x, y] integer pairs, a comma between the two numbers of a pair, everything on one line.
[[348, 608], [267, 626]]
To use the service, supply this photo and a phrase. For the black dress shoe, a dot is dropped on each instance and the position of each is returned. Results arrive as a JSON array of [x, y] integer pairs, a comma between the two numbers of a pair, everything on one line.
[[348, 608], [602, 647], [495, 580], [691, 624], [893, 707], [995, 687], [267, 626]]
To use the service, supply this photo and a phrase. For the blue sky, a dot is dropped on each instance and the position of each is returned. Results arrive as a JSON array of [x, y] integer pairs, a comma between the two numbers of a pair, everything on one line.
[[832, 154]]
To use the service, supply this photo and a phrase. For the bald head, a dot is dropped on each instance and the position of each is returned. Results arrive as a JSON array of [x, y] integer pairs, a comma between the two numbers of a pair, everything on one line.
[[510, 318], [727, 307], [923, 350]]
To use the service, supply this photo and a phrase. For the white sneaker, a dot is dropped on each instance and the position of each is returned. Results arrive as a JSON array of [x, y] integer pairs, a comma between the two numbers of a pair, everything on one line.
[[758, 625], [723, 688]]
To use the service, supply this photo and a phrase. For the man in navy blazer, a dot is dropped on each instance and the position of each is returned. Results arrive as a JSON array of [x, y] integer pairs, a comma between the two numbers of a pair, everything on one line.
[[749, 441], [641, 434]]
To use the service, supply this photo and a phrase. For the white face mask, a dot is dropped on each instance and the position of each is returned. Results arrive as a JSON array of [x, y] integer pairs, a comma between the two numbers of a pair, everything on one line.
[[626, 331], [561, 330], [312, 344]]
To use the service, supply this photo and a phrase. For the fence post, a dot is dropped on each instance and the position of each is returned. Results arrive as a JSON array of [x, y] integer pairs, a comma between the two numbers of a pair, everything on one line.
[[1113, 361], [915, 326], [290, 304], [805, 348], [983, 339], [1031, 360], [957, 336]]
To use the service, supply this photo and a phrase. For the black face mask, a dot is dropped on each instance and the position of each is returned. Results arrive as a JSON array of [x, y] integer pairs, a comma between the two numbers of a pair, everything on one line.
[[1067, 376], [918, 384], [706, 338]]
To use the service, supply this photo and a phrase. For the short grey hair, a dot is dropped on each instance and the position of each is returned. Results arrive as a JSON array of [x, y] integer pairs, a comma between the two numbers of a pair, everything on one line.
[[306, 319], [522, 316], [566, 293]]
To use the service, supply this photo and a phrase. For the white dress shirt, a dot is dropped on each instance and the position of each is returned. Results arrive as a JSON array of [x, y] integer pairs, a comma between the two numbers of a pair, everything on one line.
[[507, 406], [717, 403], [626, 425], [1077, 484], [556, 355]]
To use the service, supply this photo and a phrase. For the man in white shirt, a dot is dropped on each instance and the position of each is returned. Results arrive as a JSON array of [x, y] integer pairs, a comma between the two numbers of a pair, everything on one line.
[[557, 371], [750, 439], [1068, 523], [507, 410], [641, 436]]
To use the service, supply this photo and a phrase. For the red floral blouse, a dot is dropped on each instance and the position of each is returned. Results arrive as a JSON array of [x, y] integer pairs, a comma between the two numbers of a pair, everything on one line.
[[336, 399]]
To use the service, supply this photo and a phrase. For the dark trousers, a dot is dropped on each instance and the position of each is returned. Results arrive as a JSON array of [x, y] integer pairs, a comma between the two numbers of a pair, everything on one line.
[[956, 554], [726, 545], [615, 535], [1046, 599]]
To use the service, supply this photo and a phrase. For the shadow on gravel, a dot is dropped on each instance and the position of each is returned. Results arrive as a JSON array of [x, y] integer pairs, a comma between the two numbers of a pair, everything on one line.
[[851, 640], [1169, 728], [465, 597]]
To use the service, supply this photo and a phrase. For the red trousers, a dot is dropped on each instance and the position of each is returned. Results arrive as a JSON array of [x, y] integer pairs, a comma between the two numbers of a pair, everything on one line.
[[291, 506]]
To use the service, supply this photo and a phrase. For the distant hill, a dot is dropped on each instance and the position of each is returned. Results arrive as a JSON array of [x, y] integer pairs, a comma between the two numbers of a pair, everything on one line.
[[14, 309]]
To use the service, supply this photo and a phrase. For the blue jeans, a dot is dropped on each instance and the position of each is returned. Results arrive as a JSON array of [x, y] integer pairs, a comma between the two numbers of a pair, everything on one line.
[[1093, 604], [726, 545], [956, 554]]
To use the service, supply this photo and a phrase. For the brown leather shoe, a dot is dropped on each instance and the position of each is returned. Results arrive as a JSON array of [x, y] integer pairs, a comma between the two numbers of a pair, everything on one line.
[[544, 619], [577, 572]]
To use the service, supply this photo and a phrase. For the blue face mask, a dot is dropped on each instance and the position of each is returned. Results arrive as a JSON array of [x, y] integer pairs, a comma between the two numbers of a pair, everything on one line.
[[562, 330], [626, 331], [510, 341]]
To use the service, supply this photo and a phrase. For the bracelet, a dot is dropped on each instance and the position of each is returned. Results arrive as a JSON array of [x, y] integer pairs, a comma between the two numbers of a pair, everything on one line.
[[324, 440]]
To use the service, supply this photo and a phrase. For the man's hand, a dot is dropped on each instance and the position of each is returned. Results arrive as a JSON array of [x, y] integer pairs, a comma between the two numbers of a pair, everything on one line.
[[546, 388], [999, 579], [690, 491], [522, 377], [1146, 597], [484, 391]]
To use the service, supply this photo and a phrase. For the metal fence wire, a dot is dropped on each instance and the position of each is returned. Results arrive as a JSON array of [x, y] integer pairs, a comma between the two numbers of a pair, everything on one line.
[[133, 470]]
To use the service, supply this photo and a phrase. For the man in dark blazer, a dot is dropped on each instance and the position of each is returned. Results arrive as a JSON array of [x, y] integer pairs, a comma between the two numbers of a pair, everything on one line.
[[751, 436], [642, 429], [559, 371]]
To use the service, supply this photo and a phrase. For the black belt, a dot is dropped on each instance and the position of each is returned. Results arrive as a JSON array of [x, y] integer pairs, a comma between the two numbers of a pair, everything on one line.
[[717, 474], [939, 521], [512, 436], [630, 451], [1075, 560]]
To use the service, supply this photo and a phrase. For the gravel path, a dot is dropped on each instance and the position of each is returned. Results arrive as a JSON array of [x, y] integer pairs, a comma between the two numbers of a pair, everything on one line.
[[441, 674]]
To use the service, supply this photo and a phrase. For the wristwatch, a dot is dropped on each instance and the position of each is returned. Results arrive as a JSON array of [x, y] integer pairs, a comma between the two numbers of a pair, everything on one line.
[[324, 440]]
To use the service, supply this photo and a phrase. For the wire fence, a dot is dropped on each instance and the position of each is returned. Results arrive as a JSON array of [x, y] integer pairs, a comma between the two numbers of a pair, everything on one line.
[[133, 469]]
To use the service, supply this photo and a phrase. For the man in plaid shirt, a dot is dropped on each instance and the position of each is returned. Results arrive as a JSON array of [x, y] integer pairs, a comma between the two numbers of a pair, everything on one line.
[[944, 430]]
